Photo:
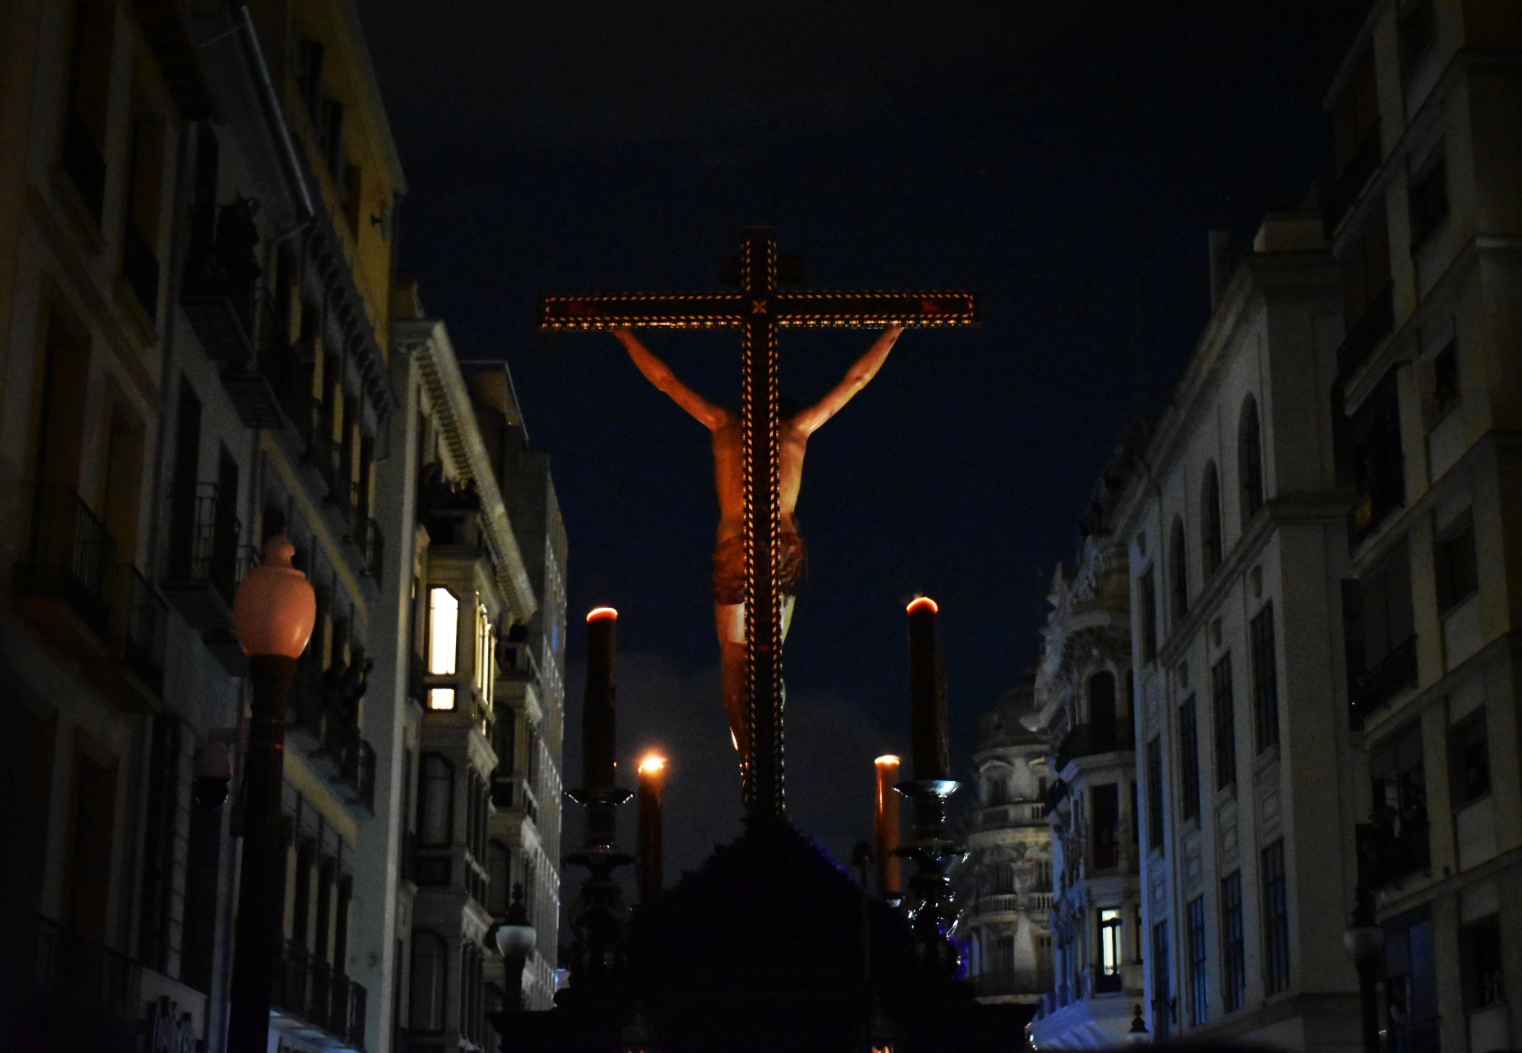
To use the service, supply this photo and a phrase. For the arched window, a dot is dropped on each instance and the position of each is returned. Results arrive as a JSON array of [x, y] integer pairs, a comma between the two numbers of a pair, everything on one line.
[[429, 965], [1102, 709], [1211, 548], [975, 953], [1178, 571], [1250, 461], [435, 800]]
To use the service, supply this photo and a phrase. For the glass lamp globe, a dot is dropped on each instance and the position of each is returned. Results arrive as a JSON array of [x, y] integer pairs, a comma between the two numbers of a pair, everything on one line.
[[275, 608]]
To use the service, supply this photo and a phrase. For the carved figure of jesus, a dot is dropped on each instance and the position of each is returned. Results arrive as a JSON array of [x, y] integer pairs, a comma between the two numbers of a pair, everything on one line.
[[793, 431]]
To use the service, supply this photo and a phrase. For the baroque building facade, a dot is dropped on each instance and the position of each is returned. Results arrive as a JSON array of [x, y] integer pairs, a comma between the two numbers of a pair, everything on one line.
[[1424, 210], [1006, 879], [1083, 710]]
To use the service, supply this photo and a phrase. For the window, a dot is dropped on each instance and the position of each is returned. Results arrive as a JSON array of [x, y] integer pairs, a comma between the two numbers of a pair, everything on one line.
[[1111, 947], [1102, 720], [1004, 953], [1480, 964], [1178, 571], [1415, 30], [1211, 549], [435, 802], [1439, 380], [1398, 772], [485, 652], [1379, 466], [84, 131], [1224, 710], [1367, 309], [1155, 794], [1468, 760], [443, 631], [1199, 975], [1454, 564], [1265, 678], [1106, 826], [1234, 951], [1355, 116], [1189, 760], [145, 177], [1004, 879], [157, 929], [1147, 601], [1275, 920], [1249, 461], [429, 965], [1428, 198], [1162, 985]]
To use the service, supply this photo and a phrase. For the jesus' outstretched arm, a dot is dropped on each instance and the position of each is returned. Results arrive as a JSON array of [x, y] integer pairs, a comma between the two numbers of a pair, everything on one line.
[[659, 374], [856, 378]]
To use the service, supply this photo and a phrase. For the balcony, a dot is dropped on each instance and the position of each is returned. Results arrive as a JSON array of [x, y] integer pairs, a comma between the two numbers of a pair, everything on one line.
[[323, 726], [1389, 855], [1343, 190], [63, 583], [308, 992], [1385, 679], [516, 661], [1087, 740], [1377, 320], [222, 312], [999, 982], [995, 817], [81, 977]]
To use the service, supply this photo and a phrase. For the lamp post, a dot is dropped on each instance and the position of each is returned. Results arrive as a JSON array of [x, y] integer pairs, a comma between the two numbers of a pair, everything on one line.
[[1364, 941], [515, 942], [273, 614]]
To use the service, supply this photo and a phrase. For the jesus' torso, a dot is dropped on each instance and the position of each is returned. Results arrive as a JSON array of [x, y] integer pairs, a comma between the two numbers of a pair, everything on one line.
[[729, 474]]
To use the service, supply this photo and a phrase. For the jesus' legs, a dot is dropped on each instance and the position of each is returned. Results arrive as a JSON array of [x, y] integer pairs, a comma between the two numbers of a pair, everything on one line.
[[730, 620]]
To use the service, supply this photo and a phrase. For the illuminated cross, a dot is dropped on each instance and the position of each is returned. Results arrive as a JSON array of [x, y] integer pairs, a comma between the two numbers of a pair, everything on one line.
[[758, 309]]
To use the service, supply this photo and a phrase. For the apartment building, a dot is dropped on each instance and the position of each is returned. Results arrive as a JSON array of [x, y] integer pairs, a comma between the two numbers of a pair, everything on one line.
[[1083, 699], [1425, 205]]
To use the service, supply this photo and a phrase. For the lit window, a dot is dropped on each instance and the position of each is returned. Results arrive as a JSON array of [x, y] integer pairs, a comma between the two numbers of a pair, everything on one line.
[[485, 674], [441, 698], [443, 631], [1109, 941]]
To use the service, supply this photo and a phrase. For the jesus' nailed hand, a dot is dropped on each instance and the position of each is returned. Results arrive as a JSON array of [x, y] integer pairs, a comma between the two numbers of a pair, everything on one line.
[[793, 431]]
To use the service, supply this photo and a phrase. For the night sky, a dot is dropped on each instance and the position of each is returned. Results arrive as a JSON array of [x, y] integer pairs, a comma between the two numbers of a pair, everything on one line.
[[1063, 160]]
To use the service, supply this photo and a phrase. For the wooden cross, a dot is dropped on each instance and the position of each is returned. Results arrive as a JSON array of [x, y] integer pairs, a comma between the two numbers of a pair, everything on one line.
[[758, 308]]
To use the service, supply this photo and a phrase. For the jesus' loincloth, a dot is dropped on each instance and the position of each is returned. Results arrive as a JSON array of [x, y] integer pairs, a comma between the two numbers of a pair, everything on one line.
[[729, 567]]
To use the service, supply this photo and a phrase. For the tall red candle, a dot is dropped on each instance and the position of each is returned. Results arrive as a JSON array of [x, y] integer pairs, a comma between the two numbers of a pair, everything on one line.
[[598, 717], [927, 695], [650, 854], [889, 868]]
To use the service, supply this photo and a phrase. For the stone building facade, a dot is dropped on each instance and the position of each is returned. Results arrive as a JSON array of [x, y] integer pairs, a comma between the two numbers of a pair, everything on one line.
[[1006, 880], [1424, 210]]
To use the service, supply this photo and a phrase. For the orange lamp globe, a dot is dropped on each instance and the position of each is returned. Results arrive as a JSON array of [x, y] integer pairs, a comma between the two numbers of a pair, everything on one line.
[[275, 608]]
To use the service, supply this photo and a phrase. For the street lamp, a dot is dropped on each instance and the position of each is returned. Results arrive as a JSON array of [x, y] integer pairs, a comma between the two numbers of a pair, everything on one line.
[[515, 942], [273, 614], [1364, 941]]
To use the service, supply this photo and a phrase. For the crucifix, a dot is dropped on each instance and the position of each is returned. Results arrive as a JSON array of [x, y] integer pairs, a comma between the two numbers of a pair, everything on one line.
[[758, 308]]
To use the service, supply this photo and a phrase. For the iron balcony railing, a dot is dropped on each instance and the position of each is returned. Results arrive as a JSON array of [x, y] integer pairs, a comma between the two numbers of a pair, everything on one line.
[[330, 736], [1086, 740], [307, 987], [1364, 336], [1388, 855], [1386, 678], [70, 557], [142, 624], [83, 973], [208, 551]]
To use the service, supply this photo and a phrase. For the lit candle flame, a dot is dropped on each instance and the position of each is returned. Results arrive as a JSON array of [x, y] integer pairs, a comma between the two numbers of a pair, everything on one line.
[[886, 759], [651, 764], [597, 614], [921, 603]]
